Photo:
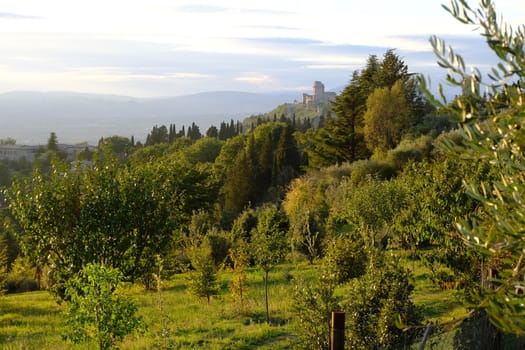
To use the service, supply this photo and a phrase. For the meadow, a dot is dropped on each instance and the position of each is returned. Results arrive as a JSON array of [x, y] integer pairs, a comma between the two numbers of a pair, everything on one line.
[[177, 320]]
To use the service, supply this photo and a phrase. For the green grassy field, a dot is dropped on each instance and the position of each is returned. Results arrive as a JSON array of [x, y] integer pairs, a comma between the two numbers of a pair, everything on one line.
[[175, 319]]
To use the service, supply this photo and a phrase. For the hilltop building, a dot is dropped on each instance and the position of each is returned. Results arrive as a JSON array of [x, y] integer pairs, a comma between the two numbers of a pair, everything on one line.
[[318, 96]]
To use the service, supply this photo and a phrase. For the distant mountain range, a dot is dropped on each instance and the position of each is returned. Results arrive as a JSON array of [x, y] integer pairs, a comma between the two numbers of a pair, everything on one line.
[[29, 117]]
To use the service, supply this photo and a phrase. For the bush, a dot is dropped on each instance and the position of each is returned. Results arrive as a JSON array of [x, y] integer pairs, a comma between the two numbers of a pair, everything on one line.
[[362, 170], [21, 278], [96, 312], [314, 303], [220, 246], [345, 259], [378, 305], [409, 150]]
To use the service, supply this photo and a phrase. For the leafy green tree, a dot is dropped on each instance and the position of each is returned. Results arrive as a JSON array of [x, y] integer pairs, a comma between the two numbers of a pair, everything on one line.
[[493, 129], [3, 268], [240, 257], [306, 208], [111, 214], [203, 278], [435, 199], [204, 150], [371, 207], [148, 154], [269, 243], [386, 118], [9, 241], [229, 152], [343, 137], [119, 145], [243, 225], [97, 312]]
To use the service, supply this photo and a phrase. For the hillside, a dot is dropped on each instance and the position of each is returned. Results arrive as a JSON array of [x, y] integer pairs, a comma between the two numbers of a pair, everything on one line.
[[289, 110], [77, 117]]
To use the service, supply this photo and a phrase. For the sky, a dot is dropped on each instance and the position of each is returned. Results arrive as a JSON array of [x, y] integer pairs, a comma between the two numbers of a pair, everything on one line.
[[151, 48]]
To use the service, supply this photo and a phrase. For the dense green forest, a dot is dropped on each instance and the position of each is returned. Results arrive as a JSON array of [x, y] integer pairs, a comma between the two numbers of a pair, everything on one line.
[[389, 181]]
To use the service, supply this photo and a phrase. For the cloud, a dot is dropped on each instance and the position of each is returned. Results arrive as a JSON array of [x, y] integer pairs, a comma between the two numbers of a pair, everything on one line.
[[269, 27], [201, 8], [282, 41], [205, 8], [259, 11], [254, 78], [9, 15], [188, 75]]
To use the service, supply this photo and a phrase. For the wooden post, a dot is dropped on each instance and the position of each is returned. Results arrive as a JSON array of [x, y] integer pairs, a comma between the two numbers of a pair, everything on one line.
[[425, 337], [337, 331]]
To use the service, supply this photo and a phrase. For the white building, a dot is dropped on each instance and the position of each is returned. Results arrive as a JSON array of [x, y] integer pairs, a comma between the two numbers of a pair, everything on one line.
[[17, 152]]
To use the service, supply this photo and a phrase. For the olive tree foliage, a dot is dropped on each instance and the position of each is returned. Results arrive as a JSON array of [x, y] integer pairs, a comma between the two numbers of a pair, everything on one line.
[[110, 214], [493, 130]]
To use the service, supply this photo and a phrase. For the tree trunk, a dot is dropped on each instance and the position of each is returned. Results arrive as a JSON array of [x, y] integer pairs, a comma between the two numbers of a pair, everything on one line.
[[266, 296]]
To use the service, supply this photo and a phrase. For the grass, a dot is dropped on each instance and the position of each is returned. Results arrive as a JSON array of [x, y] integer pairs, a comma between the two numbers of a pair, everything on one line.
[[174, 317], [34, 321], [439, 306]]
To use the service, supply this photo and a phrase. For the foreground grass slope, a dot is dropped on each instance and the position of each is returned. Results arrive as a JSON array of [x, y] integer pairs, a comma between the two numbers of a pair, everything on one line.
[[178, 320]]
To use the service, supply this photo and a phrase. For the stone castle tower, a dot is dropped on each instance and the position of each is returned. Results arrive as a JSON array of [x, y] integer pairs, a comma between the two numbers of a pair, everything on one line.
[[319, 96]]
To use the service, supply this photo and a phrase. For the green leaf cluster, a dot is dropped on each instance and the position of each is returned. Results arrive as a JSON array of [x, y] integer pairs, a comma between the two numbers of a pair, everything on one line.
[[96, 311]]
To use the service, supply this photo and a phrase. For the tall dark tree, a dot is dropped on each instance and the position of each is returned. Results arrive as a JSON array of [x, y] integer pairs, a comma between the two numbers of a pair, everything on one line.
[[159, 134], [342, 138], [212, 132], [287, 158], [52, 142], [194, 132], [239, 185]]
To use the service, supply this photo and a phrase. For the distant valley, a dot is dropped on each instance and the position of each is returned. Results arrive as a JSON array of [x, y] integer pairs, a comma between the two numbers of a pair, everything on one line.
[[29, 117]]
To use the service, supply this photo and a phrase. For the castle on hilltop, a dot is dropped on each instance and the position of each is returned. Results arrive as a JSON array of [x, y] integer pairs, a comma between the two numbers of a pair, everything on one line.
[[318, 96]]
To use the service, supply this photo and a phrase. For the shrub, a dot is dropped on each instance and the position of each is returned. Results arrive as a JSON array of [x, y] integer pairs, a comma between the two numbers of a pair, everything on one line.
[[345, 259], [96, 311], [378, 304], [314, 303], [21, 277]]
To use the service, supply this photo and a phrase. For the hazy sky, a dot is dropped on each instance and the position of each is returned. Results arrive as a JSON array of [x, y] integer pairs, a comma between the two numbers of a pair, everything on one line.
[[162, 48]]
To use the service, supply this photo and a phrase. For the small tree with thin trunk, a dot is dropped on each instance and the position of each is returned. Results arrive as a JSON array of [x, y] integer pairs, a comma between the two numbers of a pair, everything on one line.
[[241, 260], [203, 279], [269, 243]]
